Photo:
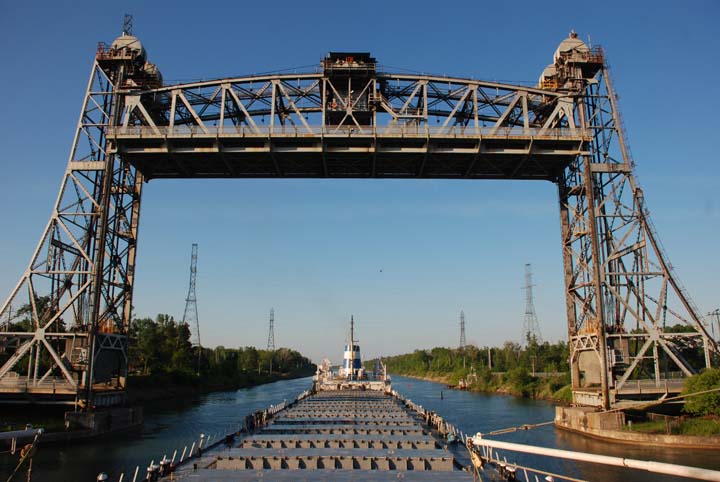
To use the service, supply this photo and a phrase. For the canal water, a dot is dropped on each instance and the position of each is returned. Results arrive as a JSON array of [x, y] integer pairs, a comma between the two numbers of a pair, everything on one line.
[[173, 424]]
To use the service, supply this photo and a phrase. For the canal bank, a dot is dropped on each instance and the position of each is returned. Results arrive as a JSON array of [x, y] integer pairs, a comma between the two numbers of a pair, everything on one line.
[[613, 426], [530, 392], [142, 389]]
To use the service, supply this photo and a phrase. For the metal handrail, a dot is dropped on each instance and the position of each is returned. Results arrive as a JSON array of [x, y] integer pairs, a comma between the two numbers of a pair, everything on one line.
[[329, 131]]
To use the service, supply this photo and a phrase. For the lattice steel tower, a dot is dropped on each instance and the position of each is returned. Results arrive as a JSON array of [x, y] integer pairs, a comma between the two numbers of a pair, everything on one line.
[[190, 316], [531, 326], [271, 332], [463, 343]]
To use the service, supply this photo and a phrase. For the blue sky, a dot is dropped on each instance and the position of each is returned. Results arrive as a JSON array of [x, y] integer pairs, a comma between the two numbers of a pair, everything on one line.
[[403, 256]]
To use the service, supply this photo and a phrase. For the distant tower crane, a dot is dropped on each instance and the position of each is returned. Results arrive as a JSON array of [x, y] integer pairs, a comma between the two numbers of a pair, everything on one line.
[[531, 327], [463, 342], [191, 313]]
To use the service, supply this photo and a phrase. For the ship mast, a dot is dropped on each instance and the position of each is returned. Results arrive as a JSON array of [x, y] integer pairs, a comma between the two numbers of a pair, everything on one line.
[[352, 331], [352, 348]]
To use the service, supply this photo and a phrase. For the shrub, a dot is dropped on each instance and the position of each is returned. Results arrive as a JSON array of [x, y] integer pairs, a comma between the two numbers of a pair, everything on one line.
[[521, 381], [564, 394], [700, 426], [708, 403]]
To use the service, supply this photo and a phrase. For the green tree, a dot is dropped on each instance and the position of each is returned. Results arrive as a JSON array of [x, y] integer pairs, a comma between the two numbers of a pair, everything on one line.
[[520, 380], [705, 404], [248, 359]]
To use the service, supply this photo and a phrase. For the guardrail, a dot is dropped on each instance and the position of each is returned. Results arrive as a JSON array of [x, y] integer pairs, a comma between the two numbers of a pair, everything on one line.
[[23, 384], [409, 131], [485, 451]]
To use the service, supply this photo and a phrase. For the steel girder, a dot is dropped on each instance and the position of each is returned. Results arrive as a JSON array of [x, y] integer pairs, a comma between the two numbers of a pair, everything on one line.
[[392, 126]]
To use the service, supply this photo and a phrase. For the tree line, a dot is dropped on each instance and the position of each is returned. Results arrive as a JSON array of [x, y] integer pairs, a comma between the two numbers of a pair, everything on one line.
[[536, 370], [163, 346]]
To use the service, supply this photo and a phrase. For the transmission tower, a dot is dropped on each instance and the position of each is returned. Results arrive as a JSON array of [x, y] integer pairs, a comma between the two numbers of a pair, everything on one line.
[[271, 332], [463, 343], [531, 327], [716, 316], [271, 337], [191, 313]]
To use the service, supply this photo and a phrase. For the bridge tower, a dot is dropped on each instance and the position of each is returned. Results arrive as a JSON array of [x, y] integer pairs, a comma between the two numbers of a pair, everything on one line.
[[190, 315], [531, 326], [67, 339], [463, 343]]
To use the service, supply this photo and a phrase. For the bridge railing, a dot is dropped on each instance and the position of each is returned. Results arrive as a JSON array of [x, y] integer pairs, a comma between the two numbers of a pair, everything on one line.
[[299, 131], [22, 384]]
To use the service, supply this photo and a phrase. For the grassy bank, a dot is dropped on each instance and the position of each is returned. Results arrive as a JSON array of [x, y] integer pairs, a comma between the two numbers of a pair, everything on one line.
[[536, 370], [703, 426], [516, 382]]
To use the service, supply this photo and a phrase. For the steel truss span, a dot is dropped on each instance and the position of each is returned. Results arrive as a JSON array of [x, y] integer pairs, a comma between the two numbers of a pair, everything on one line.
[[63, 337]]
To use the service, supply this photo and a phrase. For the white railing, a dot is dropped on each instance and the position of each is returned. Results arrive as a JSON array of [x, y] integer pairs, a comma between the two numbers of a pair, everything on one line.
[[409, 131], [489, 448], [22, 383]]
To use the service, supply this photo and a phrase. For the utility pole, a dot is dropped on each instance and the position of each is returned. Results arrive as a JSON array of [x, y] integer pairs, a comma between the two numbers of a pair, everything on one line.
[[191, 312]]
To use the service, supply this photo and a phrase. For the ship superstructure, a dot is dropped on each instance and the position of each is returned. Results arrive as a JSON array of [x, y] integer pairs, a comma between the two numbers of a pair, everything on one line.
[[352, 368]]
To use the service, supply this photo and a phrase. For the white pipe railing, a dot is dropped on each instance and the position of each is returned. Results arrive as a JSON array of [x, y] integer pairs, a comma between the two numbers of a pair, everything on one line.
[[645, 465]]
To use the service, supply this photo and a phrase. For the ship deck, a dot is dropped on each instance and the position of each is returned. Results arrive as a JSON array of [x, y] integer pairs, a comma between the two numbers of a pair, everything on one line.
[[334, 436]]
